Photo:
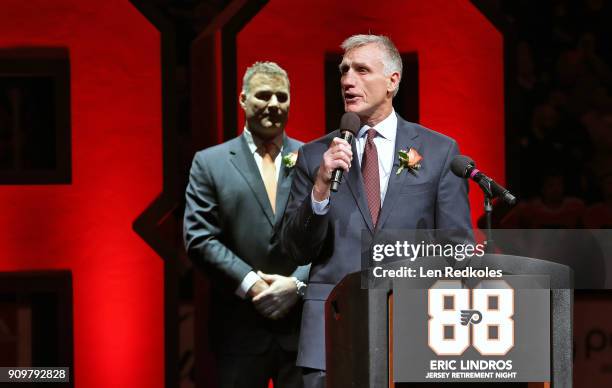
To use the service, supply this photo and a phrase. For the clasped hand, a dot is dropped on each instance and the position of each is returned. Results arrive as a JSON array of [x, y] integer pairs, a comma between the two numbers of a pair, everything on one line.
[[274, 298]]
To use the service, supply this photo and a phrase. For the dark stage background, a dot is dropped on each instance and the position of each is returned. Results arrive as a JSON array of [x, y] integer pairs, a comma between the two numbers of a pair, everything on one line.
[[103, 103]]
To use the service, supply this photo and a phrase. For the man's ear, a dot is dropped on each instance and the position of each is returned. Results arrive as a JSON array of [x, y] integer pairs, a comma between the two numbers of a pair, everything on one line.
[[242, 100], [393, 82]]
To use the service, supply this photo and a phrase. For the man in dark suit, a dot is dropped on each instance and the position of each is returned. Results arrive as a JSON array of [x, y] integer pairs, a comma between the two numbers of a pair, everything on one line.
[[236, 199], [325, 228]]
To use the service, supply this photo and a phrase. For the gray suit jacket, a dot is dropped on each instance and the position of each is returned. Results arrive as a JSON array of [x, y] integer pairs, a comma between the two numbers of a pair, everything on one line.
[[229, 230], [431, 198]]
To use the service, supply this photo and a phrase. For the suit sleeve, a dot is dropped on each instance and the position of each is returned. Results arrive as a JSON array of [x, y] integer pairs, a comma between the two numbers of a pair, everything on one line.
[[202, 229], [303, 232], [452, 205], [301, 273]]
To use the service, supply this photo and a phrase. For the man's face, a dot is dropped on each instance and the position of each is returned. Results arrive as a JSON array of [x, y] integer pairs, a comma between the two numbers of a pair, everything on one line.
[[266, 105], [366, 89]]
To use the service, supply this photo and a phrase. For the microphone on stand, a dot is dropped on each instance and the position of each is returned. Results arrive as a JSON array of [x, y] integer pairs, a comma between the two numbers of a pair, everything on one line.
[[465, 167]]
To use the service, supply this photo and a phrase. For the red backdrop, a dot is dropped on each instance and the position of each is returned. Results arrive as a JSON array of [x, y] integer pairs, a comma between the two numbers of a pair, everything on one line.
[[117, 171], [116, 143], [460, 65]]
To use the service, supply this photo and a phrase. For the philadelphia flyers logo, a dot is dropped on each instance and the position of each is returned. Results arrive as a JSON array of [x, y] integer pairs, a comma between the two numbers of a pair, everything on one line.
[[470, 317]]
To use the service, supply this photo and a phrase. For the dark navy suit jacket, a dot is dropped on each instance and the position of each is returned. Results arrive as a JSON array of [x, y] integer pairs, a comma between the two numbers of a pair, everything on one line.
[[229, 230], [432, 198]]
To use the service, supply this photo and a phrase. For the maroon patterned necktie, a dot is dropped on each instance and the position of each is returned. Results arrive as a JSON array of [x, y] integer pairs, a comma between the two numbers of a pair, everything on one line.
[[371, 178]]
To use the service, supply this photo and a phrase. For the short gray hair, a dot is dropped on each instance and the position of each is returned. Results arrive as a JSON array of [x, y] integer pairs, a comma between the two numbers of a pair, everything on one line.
[[269, 68], [392, 61]]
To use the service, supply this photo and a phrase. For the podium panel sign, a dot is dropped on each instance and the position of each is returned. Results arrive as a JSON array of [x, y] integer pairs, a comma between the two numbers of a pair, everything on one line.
[[472, 330]]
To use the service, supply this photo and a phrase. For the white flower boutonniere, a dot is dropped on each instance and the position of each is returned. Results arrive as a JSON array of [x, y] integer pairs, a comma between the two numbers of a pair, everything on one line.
[[409, 159], [290, 159]]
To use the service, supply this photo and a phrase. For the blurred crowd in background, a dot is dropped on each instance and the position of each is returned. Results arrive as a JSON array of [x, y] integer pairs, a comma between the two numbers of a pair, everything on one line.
[[559, 113]]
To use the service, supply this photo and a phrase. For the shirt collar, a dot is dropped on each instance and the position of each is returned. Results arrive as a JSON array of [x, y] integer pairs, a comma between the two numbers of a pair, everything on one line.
[[386, 128], [254, 142]]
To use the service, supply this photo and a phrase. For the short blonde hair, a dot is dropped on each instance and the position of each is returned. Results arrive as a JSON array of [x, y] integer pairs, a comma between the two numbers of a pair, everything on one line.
[[265, 67]]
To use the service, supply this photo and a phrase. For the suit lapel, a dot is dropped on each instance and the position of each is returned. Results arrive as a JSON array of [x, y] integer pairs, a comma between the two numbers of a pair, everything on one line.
[[354, 181], [284, 179], [405, 138], [244, 162]]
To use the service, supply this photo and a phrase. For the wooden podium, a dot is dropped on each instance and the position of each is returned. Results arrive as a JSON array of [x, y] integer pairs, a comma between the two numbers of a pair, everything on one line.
[[359, 332]]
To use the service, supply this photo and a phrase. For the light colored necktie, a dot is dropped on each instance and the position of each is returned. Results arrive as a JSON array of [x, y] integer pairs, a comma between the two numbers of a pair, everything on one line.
[[268, 171]]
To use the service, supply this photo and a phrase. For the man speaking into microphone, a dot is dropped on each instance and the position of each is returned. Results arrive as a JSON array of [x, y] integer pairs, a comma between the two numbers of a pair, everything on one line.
[[323, 227]]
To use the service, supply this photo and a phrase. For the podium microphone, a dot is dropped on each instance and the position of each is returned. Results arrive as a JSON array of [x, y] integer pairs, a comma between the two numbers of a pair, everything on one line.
[[349, 126], [465, 167]]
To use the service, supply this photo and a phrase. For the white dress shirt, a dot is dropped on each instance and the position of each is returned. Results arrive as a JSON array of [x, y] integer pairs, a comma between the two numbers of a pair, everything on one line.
[[254, 143], [385, 147]]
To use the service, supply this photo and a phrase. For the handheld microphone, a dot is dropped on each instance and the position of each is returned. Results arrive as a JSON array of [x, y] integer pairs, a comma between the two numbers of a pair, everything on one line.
[[349, 126], [465, 167]]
